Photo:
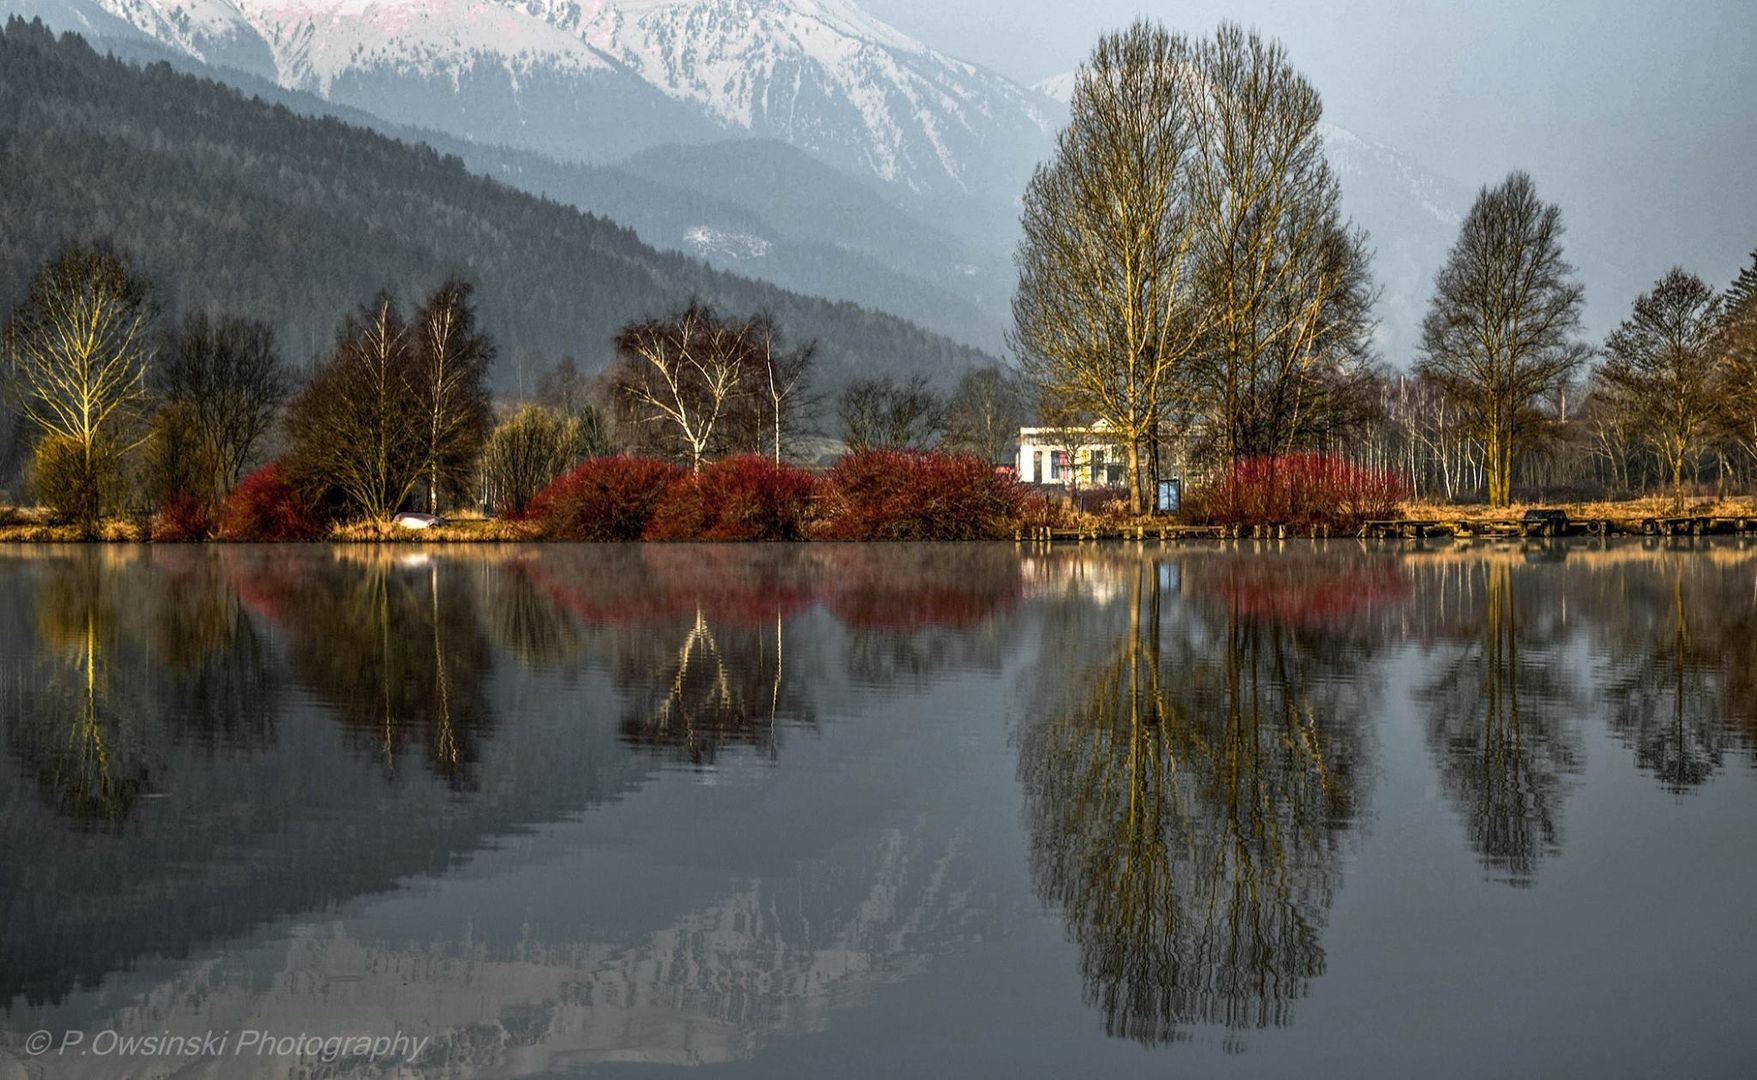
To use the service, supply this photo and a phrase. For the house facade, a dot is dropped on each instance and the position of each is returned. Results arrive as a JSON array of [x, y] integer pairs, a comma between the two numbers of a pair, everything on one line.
[[1072, 457]]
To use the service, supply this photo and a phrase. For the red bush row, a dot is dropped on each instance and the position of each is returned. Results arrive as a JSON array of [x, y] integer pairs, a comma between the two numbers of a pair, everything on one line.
[[911, 495], [872, 495], [740, 498], [1305, 489]]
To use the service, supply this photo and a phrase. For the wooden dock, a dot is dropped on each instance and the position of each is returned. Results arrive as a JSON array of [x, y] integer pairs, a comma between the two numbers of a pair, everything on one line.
[[1405, 529]]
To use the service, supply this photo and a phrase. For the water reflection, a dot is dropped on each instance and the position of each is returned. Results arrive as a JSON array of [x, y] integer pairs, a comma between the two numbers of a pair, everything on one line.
[[1188, 804], [1679, 663], [570, 805], [1501, 717]]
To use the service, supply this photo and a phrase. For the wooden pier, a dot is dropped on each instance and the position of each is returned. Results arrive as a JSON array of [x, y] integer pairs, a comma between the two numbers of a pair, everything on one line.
[[1534, 527]]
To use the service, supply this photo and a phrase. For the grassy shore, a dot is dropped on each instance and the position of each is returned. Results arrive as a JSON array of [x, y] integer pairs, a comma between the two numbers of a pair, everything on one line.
[[1630, 510], [26, 525]]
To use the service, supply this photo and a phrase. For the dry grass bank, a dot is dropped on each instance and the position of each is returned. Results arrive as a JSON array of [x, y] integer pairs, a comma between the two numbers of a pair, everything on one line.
[[1626, 510]]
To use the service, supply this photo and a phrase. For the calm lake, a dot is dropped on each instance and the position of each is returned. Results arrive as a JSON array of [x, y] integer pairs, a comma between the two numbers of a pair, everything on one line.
[[853, 811]]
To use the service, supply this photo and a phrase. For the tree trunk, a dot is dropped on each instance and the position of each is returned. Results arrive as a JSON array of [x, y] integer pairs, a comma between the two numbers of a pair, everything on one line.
[[1135, 477]]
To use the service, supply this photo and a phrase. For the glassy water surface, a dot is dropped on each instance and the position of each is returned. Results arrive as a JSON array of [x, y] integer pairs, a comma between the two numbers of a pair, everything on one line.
[[874, 811]]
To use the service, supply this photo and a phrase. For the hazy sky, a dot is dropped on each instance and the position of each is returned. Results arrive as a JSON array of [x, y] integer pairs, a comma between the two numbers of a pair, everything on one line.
[[1638, 116]]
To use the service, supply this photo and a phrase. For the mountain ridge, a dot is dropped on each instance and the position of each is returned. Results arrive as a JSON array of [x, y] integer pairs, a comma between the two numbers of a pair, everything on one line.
[[238, 205]]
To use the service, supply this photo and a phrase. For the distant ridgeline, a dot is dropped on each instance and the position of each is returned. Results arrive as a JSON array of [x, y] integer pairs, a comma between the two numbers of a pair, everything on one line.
[[233, 204]]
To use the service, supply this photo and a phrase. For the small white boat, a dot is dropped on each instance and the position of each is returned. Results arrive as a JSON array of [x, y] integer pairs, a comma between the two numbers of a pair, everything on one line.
[[413, 520]]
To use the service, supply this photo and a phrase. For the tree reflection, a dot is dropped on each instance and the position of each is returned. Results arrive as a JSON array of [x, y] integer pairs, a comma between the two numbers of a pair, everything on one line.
[[74, 727], [1187, 809], [395, 645], [721, 685], [1678, 669], [1498, 726]]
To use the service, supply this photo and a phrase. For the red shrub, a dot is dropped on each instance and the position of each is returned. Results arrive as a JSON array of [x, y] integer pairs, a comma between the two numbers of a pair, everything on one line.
[[267, 506], [740, 498], [910, 495], [606, 498], [181, 519], [1305, 489]]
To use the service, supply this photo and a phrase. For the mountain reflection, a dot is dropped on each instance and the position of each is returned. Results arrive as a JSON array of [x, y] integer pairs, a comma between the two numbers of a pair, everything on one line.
[[1188, 804]]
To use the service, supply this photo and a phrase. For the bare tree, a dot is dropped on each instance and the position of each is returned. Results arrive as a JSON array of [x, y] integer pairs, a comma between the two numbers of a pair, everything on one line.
[[225, 382], [451, 381], [1499, 332], [684, 378], [358, 427], [1104, 319], [784, 377], [1663, 365], [1283, 278], [77, 351], [984, 414], [883, 414]]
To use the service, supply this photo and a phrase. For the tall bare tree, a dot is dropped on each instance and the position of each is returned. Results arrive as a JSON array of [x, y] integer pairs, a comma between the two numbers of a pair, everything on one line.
[[225, 383], [784, 385], [684, 379], [1104, 318], [1500, 331], [1664, 363], [1283, 277], [77, 351], [451, 381], [358, 427]]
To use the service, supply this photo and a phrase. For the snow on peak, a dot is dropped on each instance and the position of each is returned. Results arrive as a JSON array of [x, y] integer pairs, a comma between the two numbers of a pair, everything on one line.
[[1058, 87], [820, 74]]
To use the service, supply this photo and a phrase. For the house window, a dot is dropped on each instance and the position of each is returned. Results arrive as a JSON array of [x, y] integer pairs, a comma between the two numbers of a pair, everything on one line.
[[1098, 465], [1036, 466], [1055, 464]]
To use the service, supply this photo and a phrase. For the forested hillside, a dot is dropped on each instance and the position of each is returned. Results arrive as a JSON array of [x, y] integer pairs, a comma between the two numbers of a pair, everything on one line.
[[230, 203]]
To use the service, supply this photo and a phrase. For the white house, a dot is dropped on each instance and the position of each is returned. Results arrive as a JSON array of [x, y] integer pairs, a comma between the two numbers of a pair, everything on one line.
[[1089, 457]]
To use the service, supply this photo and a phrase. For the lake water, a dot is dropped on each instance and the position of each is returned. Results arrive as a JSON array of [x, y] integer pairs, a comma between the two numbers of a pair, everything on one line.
[[880, 811]]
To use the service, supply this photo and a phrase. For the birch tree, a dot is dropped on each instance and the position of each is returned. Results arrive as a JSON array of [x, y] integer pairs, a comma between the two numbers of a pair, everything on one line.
[[1499, 332], [783, 378], [683, 378], [1104, 320], [77, 352], [451, 379]]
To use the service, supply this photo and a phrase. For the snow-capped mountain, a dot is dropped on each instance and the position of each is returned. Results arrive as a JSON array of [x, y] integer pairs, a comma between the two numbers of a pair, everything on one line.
[[595, 80]]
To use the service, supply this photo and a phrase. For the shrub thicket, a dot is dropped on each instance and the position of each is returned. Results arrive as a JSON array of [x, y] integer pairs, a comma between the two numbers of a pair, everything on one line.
[[739, 498], [267, 506], [607, 498], [914, 495], [1305, 489]]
